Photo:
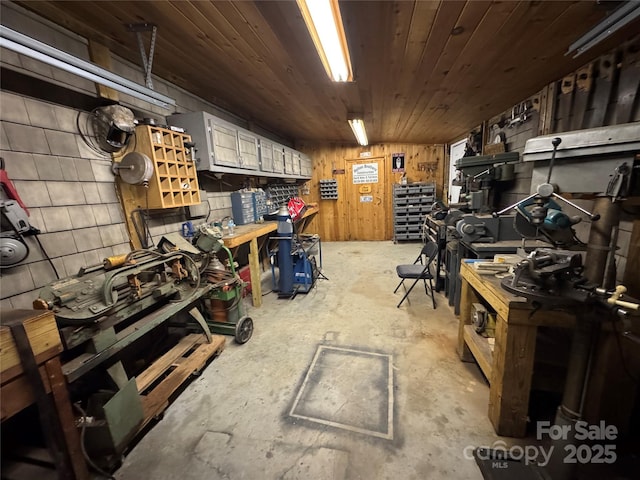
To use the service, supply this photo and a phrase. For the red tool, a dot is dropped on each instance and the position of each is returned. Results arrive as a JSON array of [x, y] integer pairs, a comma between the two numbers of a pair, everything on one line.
[[9, 188]]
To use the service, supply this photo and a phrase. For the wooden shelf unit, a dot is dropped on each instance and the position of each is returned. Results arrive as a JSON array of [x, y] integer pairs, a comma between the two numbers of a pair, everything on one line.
[[175, 181]]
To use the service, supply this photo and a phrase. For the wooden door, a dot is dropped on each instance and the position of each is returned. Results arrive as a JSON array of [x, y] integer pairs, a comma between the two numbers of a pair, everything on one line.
[[366, 207]]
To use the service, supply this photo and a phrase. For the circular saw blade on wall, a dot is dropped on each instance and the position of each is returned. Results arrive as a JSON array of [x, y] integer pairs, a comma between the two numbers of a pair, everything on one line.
[[13, 250]]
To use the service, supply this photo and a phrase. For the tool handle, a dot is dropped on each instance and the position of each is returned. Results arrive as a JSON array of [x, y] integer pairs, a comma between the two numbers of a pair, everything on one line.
[[617, 293], [622, 303]]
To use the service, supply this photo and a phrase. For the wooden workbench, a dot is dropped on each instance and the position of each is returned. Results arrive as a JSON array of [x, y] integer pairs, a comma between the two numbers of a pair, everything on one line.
[[256, 234], [509, 367], [18, 388]]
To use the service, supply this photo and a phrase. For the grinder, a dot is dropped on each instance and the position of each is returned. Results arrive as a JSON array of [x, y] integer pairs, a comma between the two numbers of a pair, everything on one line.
[[14, 223]]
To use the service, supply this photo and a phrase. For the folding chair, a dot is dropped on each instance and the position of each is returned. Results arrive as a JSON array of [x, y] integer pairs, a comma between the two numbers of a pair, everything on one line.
[[419, 270]]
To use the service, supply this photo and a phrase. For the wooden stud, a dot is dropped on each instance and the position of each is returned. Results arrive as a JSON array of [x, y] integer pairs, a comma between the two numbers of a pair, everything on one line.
[[513, 357], [66, 418], [100, 55], [43, 334], [468, 296], [254, 270]]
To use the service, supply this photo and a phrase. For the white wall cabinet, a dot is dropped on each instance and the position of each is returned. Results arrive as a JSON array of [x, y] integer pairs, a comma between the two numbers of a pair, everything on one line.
[[248, 150], [224, 144], [278, 159], [266, 155], [226, 148], [306, 167]]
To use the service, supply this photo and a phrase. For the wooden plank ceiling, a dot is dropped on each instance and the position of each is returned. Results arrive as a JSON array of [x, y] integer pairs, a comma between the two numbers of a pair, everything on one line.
[[425, 71]]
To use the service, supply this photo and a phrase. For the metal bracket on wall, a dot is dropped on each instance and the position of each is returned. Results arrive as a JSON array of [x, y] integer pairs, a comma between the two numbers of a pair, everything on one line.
[[147, 62]]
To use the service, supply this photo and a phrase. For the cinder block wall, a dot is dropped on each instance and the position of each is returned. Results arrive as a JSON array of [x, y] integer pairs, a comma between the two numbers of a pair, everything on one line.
[[69, 190], [67, 186]]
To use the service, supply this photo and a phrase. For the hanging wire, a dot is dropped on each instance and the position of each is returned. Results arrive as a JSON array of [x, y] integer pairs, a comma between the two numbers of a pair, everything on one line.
[[46, 255], [83, 430]]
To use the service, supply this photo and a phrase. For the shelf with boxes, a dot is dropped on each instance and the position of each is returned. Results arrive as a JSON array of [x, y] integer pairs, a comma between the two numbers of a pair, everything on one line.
[[174, 182], [411, 202], [248, 206], [280, 193], [329, 189]]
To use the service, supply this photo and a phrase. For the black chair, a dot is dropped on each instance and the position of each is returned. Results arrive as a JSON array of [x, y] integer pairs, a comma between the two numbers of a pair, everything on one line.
[[419, 270]]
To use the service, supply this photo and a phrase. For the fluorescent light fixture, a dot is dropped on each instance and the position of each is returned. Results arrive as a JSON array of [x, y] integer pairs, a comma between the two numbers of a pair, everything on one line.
[[617, 19], [357, 125], [325, 27], [30, 47]]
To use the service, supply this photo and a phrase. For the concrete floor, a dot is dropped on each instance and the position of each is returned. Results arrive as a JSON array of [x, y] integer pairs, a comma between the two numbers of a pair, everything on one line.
[[233, 421]]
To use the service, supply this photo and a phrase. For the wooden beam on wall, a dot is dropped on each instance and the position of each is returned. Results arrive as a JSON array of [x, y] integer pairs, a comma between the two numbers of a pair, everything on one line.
[[100, 55]]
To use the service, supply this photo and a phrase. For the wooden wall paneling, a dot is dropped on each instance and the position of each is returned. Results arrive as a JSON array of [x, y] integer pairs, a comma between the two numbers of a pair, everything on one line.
[[333, 223], [500, 26], [316, 92], [227, 58], [410, 24], [629, 82], [522, 53], [446, 17], [459, 36], [364, 37], [277, 58], [275, 74], [118, 39]]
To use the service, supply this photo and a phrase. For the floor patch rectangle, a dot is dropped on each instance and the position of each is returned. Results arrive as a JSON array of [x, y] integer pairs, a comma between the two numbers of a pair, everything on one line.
[[348, 389]]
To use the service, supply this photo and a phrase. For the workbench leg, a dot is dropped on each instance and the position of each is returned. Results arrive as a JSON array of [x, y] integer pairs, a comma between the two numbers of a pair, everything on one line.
[[513, 358], [467, 297], [66, 418], [254, 270]]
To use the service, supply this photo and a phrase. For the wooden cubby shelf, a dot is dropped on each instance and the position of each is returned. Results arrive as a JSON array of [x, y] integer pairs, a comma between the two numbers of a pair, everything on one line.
[[174, 182]]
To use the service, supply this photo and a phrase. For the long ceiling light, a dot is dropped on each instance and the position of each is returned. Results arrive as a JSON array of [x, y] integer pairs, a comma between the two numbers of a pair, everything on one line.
[[325, 27], [357, 125], [25, 45], [624, 14]]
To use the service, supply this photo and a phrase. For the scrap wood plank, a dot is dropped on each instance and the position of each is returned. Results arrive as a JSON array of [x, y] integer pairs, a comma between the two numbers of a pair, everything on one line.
[[43, 334], [157, 368], [157, 399]]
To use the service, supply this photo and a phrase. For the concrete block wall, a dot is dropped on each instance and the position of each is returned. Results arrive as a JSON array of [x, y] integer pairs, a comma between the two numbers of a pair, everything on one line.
[[69, 190]]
